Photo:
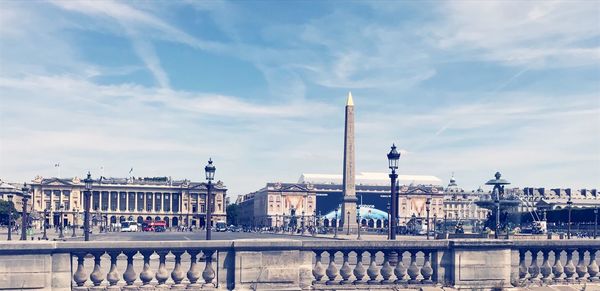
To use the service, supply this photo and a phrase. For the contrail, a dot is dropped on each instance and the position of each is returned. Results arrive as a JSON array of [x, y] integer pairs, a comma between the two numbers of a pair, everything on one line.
[[483, 100]]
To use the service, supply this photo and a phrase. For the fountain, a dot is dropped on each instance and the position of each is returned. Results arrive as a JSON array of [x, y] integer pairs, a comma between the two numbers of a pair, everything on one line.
[[500, 204]]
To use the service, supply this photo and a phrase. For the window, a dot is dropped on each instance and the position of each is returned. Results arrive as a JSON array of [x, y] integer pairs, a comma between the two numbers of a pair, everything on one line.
[[66, 193], [113, 200], [175, 202], [140, 201], [131, 201], [122, 201], [157, 202], [48, 193], [148, 201], [167, 202], [47, 205], [57, 193], [67, 205], [104, 200], [95, 200]]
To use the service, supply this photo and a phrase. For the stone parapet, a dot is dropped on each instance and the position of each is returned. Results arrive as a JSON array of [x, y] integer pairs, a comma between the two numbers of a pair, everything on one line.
[[285, 264]]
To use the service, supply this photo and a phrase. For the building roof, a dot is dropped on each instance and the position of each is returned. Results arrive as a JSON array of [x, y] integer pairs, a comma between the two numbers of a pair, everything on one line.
[[369, 178]]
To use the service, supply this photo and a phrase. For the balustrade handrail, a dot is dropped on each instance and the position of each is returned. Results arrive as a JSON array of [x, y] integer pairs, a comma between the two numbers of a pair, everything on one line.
[[556, 244]]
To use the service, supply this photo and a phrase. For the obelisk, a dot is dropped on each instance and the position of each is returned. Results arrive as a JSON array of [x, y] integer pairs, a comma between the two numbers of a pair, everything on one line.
[[349, 198]]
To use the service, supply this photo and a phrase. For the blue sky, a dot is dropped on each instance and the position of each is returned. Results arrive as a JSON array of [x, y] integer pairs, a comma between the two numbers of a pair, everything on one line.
[[469, 87]]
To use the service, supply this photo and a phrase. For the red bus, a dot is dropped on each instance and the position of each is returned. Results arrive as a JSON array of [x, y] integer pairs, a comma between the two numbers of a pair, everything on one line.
[[156, 226]]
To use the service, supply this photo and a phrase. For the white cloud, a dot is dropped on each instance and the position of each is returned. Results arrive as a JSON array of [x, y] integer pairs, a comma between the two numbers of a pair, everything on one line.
[[539, 33]]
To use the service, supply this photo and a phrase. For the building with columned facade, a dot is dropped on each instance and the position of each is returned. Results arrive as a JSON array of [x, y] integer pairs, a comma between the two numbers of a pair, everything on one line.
[[177, 202]]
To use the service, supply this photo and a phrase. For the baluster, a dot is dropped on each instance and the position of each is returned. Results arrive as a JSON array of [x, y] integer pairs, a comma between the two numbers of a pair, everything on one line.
[[413, 269], [372, 271], [359, 269], [570, 267], [523, 272], [581, 266], [557, 269], [177, 274], [113, 276], [427, 270], [400, 269], [129, 276], [332, 270], [386, 269], [345, 270], [546, 269], [162, 275], [208, 274], [97, 277], [593, 268], [194, 273], [318, 270], [146, 275], [80, 275], [533, 269]]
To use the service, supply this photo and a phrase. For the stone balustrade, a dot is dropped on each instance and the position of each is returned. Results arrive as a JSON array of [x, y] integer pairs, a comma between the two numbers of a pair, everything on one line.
[[295, 265], [553, 262]]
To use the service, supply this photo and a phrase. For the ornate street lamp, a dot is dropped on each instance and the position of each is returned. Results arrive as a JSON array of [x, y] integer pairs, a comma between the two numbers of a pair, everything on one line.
[[393, 157], [348, 219], [209, 170], [10, 215], [86, 204], [61, 221], [25, 218], [570, 207], [45, 237], [336, 222], [498, 192], [427, 203]]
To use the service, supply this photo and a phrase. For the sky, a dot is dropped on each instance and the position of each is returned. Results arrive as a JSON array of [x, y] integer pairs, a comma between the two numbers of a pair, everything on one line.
[[463, 87]]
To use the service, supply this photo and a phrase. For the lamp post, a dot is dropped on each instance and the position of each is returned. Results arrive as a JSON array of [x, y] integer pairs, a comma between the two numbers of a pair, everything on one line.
[[209, 170], [45, 237], [303, 225], [359, 222], [434, 224], [25, 218], [74, 225], [86, 204], [498, 192], [10, 216], [335, 227], [570, 207], [427, 203], [445, 220], [389, 233], [61, 221], [348, 219], [393, 157], [595, 222]]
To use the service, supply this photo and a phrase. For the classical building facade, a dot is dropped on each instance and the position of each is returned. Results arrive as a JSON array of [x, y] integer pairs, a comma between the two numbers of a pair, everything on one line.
[[279, 205], [459, 204], [177, 202], [318, 196]]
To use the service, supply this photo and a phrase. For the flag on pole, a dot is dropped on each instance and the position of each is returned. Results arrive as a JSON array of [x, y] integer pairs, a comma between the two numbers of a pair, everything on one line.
[[131, 170], [57, 165]]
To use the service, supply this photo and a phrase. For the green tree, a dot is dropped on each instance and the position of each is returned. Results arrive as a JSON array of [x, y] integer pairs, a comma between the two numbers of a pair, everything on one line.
[[232, 214], [5, 207]]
